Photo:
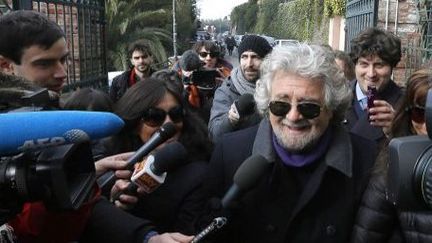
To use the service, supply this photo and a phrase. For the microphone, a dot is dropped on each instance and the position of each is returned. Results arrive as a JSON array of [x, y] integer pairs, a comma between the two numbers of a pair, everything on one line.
[[190, 61], [151, 173], [24, 131], [245, 105], [245, 178], [165, 132]]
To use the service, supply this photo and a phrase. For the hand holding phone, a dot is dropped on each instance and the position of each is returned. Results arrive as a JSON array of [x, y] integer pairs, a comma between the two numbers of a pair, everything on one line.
[[372, 93]]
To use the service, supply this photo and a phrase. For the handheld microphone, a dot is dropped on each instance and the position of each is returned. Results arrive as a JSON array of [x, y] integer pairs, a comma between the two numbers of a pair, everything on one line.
[[24, 131], [164, 133], [245, 105], [151, 173], [190, 61], [245, 178]]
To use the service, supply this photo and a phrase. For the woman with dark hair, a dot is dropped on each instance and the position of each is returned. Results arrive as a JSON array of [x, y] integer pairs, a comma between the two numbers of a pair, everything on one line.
[[378, 219], [89, 99], [145, 107]]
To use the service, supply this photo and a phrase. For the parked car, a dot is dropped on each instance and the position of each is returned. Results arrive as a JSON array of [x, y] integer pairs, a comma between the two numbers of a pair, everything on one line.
[[284, 42], [202, 35]]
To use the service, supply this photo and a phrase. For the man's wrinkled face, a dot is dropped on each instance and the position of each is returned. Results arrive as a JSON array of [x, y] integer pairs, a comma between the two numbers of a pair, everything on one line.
[[45, 68], [294, 131], [372, 71], [141, 61], [250, 63]]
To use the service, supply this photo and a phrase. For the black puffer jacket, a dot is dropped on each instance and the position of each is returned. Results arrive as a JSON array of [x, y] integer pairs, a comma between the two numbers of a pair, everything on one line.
[[378, 220]]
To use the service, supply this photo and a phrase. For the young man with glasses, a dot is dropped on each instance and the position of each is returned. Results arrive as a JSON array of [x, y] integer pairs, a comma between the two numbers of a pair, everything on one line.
[[375, 54], [141, 60], [317, 170], [224, 114]]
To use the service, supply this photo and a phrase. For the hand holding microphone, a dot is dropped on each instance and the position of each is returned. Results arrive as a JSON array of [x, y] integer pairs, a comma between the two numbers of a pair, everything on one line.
[[243, 107], [149, 174], [246, 177], [164, 133]]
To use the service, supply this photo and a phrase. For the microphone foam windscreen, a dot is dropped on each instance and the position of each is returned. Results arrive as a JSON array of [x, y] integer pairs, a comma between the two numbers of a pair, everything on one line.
[[245, 105], [19, 130], [190, 61], [249, 172], [169, 157], [167, 130]]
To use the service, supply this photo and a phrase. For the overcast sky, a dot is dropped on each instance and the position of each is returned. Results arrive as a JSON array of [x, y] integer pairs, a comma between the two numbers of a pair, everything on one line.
[[216, 9]]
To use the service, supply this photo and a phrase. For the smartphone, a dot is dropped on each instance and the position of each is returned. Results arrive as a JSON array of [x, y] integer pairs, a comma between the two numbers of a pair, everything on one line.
[[204, 78], [371, 96]]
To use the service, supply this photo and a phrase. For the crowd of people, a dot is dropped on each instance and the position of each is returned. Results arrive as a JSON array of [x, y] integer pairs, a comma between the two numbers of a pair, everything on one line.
[[306, 112]]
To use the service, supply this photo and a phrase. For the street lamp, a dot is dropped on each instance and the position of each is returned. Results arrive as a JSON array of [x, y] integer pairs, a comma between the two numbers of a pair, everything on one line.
[[174, 30]]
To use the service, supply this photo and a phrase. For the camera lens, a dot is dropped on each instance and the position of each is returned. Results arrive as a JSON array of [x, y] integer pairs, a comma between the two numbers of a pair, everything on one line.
[[422, 177]]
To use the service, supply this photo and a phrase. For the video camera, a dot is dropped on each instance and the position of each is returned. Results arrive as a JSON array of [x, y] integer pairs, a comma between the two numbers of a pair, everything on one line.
[[62, 176], [204, 79], [410, 168]]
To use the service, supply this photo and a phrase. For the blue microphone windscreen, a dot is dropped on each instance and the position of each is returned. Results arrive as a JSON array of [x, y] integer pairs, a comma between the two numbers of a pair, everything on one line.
[[21, 131]]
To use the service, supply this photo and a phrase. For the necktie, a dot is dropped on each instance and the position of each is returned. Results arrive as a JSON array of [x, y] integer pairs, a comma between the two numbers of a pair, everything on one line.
[[363, 103]]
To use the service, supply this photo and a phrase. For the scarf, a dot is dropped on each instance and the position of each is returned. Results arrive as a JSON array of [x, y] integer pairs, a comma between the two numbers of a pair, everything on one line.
[[132, 78], [240, 83], [300, 160]]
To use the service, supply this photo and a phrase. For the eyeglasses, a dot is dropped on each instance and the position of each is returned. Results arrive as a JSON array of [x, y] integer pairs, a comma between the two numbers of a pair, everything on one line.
[[155, 117], [307, 109], [417, 113], [204, 54]]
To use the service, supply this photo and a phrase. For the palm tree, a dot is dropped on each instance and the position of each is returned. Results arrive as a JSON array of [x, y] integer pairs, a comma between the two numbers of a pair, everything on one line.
[[125, 24]]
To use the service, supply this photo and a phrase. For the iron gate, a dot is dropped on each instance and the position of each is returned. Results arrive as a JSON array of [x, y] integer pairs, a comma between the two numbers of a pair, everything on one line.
[[83, 22], [360, 14]]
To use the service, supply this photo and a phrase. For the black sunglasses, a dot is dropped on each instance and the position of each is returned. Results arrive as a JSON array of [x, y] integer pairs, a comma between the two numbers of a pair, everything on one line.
[[417, 113], [306, 109], [155, 117], [204, 54]]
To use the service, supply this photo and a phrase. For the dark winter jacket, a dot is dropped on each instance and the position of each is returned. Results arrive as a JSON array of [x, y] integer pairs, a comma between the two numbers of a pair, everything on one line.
[[379, 220], [120, 84], [360, 124], [312, 204]]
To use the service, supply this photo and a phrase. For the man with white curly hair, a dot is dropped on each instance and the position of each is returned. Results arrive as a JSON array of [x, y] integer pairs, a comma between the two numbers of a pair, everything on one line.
[[317, 171]]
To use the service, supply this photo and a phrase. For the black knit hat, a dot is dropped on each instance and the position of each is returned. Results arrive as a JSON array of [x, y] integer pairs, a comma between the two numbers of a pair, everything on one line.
[[255, 43]]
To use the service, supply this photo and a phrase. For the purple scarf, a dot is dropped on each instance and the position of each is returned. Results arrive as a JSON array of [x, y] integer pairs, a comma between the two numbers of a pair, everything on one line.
[[300, 160]]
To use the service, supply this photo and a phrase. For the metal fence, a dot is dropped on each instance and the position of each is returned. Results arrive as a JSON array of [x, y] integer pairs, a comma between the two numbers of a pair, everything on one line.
[[84, 24], [360, 14]]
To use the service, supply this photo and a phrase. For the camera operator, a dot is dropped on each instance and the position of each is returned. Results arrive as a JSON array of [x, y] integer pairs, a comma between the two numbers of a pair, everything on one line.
[[378, 219], [34, 48], [204, 58]]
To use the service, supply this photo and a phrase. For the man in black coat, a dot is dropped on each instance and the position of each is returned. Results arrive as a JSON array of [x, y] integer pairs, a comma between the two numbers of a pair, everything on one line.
[[375, 54], [141, 60], [317, 171]]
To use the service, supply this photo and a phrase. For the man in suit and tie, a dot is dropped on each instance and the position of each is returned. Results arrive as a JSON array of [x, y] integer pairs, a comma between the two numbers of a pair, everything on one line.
[[375, 53]]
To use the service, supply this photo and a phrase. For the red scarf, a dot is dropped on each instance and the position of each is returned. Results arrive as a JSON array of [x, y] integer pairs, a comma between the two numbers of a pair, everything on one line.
[[132, 78], [36, 224]]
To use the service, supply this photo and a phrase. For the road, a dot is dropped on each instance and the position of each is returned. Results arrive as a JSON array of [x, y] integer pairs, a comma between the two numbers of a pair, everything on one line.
[[234, 60]]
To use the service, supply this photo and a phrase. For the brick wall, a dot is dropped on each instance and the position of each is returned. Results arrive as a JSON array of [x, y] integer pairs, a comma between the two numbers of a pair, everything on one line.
[[405, 14]]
